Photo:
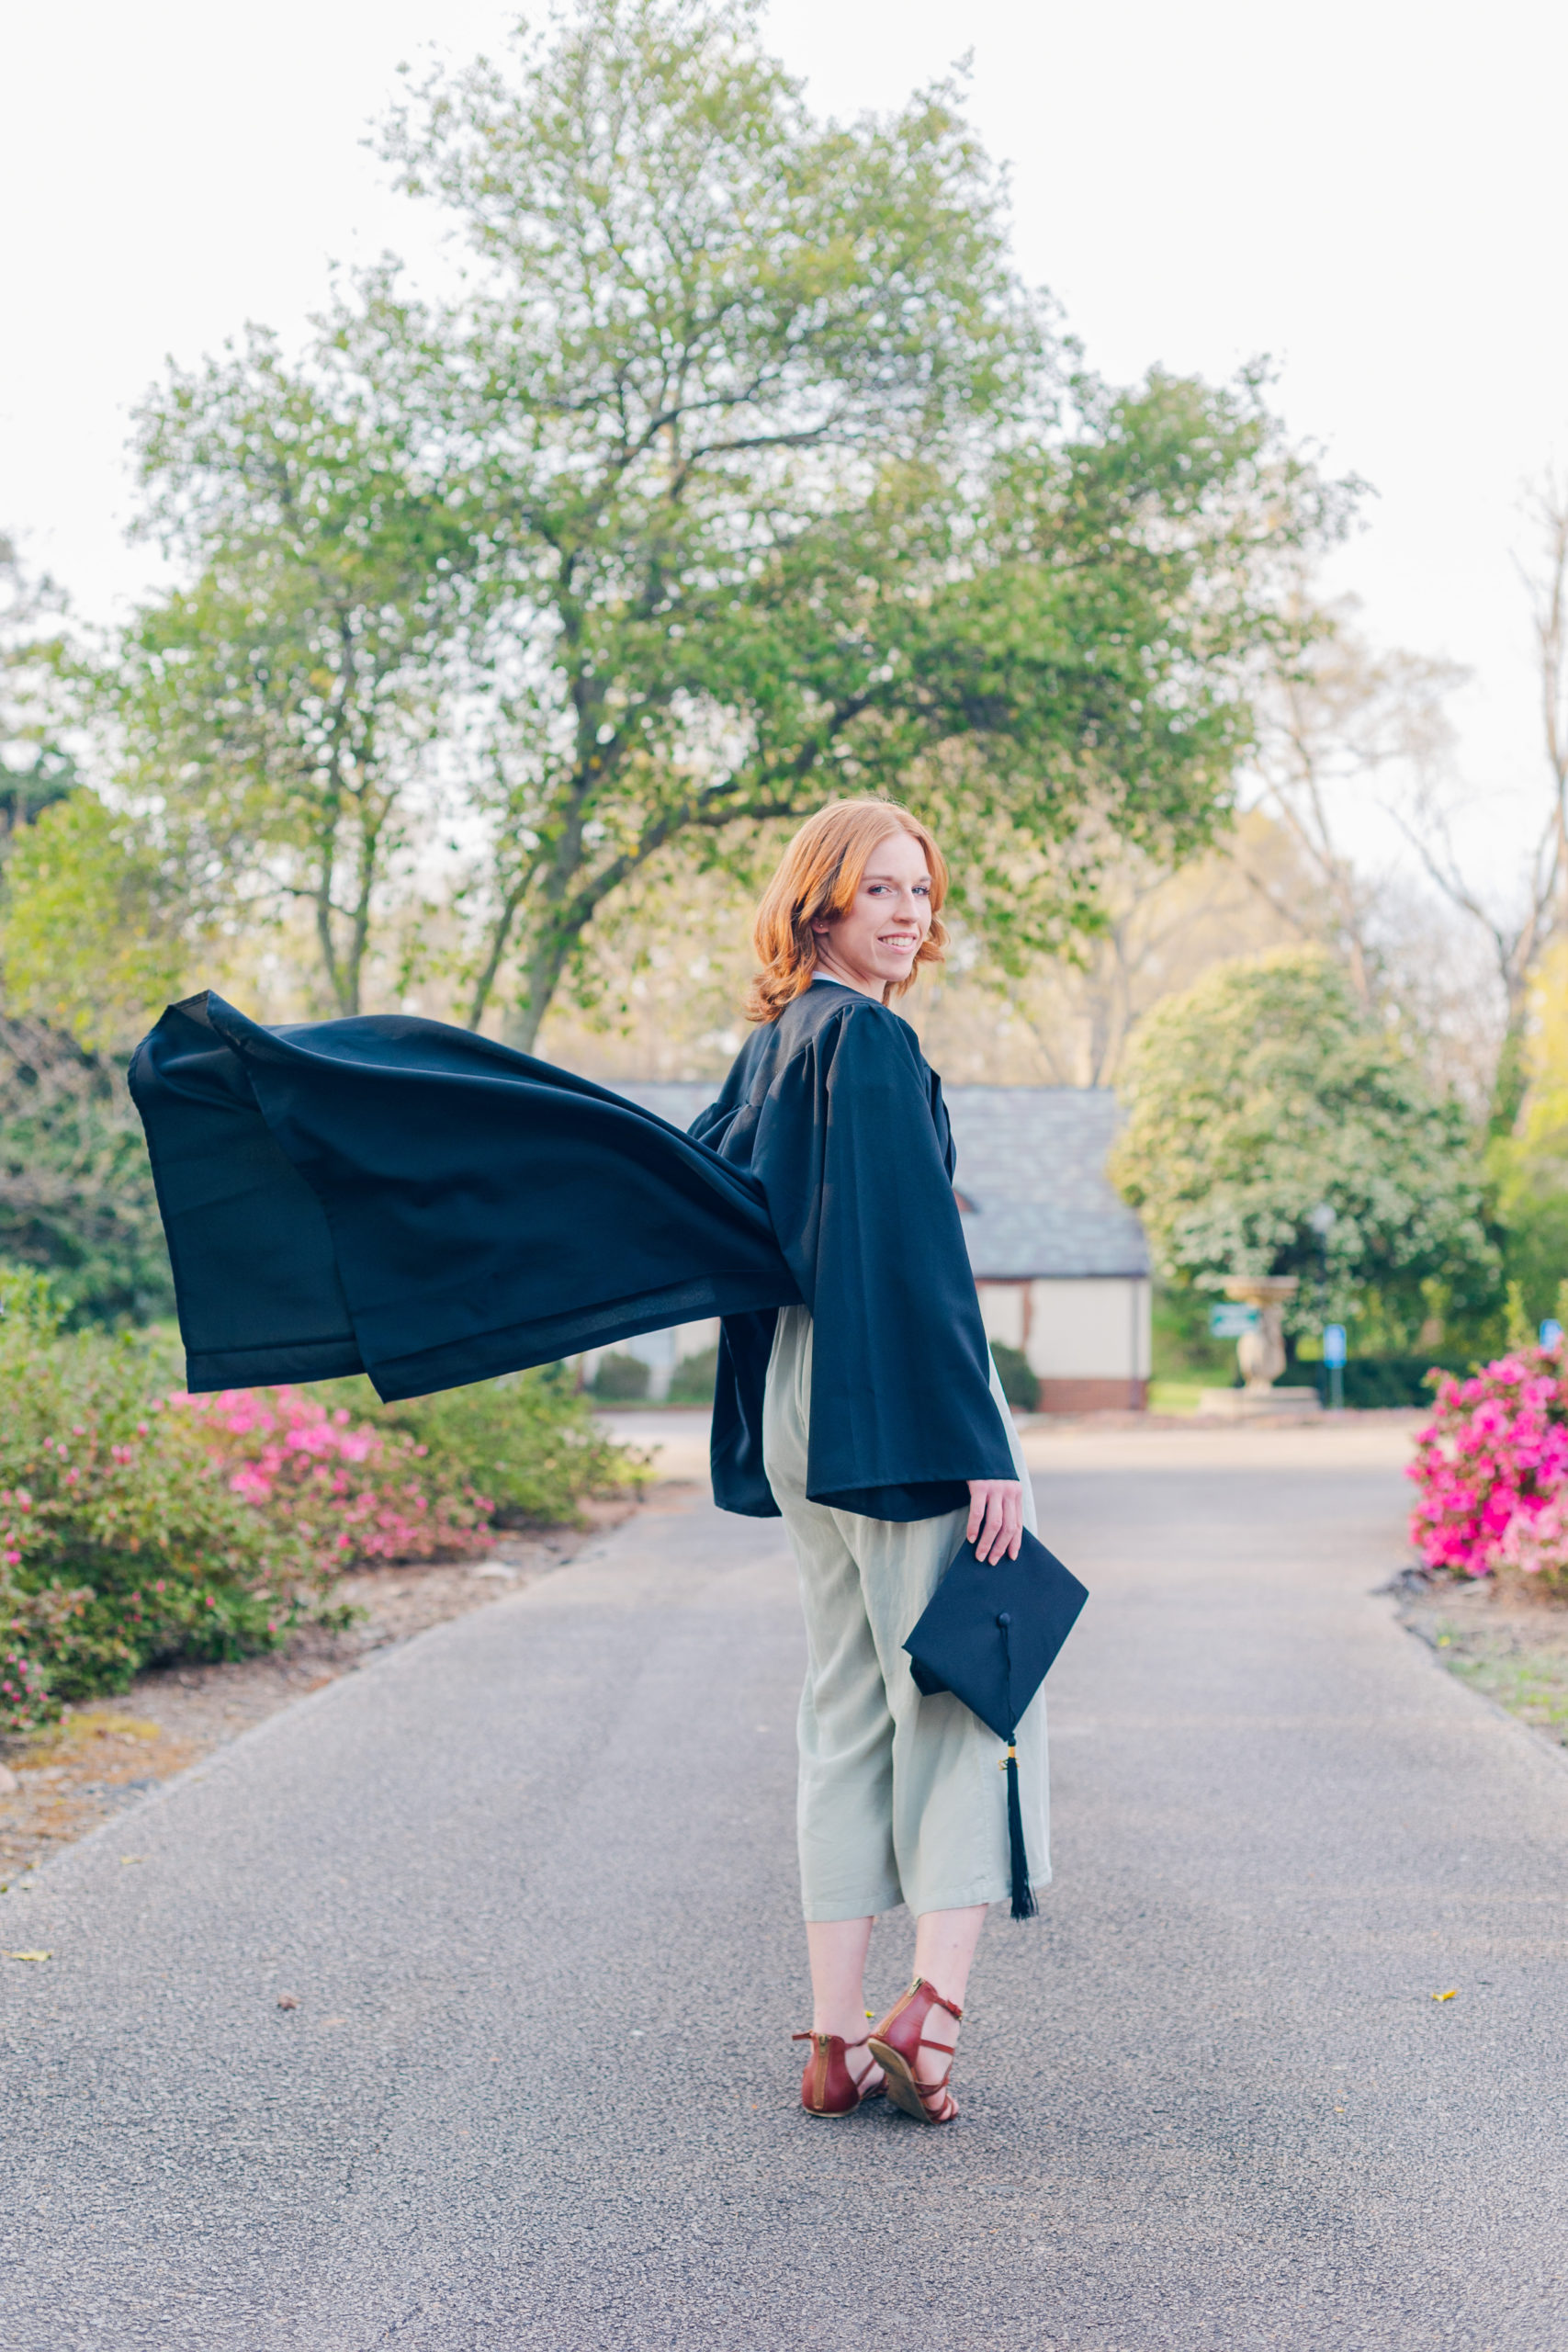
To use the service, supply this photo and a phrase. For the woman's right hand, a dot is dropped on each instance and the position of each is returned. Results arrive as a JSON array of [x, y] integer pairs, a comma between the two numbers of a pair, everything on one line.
[[996, 1519]]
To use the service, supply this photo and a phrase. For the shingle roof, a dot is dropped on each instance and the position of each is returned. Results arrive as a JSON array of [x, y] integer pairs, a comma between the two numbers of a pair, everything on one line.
[[1031, 1166], [1031, 1173]]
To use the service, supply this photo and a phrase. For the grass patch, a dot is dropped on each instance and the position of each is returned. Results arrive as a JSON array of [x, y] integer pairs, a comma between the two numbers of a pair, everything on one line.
[[1178, 1395], [1514, 1653]]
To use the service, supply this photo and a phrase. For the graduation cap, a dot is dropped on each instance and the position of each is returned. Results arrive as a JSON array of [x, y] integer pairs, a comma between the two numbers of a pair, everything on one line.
[[990, 1635]]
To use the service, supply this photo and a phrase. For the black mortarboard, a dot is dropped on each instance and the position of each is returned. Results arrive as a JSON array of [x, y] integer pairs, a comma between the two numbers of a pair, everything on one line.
[[990, 1635]]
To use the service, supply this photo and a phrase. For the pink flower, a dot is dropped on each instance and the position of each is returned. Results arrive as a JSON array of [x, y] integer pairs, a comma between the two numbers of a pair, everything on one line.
[[1490, 1463]]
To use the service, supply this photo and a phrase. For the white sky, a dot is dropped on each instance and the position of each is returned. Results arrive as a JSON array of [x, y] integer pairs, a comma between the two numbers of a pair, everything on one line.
[[1371, 190]]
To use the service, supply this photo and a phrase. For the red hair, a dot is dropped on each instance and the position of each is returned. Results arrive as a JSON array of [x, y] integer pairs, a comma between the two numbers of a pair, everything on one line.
[[817, 880]]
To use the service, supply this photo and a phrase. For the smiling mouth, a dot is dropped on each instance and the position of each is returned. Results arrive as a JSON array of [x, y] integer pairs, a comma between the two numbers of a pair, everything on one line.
[[900, 942]]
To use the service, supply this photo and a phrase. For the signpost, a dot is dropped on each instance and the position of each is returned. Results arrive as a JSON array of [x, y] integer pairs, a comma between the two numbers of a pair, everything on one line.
[[1232, 1321], [1333, 1353]]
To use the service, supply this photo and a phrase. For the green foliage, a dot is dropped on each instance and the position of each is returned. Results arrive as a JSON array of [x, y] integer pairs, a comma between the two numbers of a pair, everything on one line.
[[77, 1196], [1533, 1213], [1263, 1092], [1527, 1155], [1181, 1345], [139, 1527], [743, 473], [621, 1378], [692, 1381], [97, 923], [1370, 1383], [1021, 1385], [528, 1442], [121, 1544], [284, 703], [784, 492], [36, 764]]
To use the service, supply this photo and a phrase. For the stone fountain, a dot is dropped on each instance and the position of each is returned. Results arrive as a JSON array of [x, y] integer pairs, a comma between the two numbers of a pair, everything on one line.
[[1261, 1352]]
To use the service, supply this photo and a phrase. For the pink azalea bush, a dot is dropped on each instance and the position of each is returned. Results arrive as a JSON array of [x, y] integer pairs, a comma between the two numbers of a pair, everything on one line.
[[139, 1525], [121, 1543], [350, 1494], [1491, 1467], [203, 1528]]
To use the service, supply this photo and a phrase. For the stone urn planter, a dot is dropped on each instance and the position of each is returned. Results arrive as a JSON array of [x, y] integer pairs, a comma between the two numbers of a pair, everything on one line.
[[1261, 1352]]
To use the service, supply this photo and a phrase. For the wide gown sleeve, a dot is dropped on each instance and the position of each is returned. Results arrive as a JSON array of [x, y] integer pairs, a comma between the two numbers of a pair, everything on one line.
[[902, 1415], [403, 1198]]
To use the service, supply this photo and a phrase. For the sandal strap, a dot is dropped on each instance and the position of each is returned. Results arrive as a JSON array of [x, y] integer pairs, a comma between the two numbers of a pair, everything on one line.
[[924, 1984], [927, 2092]]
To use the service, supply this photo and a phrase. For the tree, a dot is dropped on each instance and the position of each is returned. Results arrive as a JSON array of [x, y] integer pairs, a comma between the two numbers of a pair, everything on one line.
[[281, 709], [99, 922], [36, 767], [779, 491], [744, 473], [1332, 718], [1519, 934], [1067, 1021], [1528, 1165], [1265, 1091]]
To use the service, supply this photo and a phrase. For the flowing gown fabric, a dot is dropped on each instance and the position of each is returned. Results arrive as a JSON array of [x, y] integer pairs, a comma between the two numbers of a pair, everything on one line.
[[395, 1196]]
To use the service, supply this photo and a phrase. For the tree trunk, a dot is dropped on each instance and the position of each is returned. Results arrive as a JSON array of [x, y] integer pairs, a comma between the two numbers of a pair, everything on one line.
[[544, 969]]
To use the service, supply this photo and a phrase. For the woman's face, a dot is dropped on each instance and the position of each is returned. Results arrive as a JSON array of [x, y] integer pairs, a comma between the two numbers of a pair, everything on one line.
[[877, 938]]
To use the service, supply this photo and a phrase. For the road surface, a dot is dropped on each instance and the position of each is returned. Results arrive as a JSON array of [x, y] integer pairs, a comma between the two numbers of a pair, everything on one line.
[[529, 1880]]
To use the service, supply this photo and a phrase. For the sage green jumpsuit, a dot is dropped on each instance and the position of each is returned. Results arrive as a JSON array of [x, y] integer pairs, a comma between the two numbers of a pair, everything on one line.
[[901, 1799]]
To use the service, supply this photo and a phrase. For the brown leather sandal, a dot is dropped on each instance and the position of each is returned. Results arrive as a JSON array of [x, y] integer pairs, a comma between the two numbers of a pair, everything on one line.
[[828, 2087], [896, 2044]]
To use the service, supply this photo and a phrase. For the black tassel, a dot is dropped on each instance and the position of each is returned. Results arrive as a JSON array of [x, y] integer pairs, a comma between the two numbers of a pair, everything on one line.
[[1023, 1903]]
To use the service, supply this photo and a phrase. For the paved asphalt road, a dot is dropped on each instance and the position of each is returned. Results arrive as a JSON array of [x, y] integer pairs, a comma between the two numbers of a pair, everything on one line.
[[530, 1879]]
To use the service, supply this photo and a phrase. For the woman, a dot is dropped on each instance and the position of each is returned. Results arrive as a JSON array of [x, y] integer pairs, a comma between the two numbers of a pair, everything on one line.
[[392, 1195], [831, 1104]]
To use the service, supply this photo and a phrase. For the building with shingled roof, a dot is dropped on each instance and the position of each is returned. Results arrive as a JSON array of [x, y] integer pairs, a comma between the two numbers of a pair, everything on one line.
[[1060, 1261]]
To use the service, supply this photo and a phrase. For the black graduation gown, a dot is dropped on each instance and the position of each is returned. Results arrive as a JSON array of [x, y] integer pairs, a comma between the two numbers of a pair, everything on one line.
[[835, 1110], [406, 1199]]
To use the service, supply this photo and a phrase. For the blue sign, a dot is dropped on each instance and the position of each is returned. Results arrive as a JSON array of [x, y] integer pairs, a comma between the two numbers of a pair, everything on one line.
[[1333, 1344], [1551, 1332], [1232, 1321]]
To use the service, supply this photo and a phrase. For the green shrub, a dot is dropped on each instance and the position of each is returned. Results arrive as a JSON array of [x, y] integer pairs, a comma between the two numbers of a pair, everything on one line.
[[140, 1526], [692, 1379], [528, 1443], [1020, 1386], [1368, 1382], [1183, 1346], [621, 1379], [121, 1541], [77, 1198]]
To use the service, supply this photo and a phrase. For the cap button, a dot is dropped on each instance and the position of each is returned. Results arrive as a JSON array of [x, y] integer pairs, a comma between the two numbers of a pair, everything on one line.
[[1004, 1619]]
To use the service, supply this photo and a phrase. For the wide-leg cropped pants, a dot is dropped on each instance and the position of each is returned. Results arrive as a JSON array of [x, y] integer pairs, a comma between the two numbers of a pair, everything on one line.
[[901, 1799]]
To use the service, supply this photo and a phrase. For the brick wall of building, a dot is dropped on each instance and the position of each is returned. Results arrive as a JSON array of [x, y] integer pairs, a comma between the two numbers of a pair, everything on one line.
[[1121, 1396]]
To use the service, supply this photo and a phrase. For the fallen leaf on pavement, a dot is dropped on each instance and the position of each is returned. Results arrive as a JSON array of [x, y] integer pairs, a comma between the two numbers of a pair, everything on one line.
[[1451, 1994], [26, 1955], [287, 2001]]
